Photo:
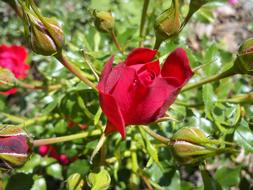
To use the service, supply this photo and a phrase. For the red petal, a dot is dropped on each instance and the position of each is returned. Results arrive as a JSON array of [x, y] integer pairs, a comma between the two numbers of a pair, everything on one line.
[[177, 66], [152, 103], [113, 113], [140, 56], [124, 92], [14, 144], [106, 71], [19, 51]]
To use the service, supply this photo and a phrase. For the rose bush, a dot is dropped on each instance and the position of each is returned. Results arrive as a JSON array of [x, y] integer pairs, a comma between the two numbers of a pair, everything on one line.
[[138, 91], [13, 58]]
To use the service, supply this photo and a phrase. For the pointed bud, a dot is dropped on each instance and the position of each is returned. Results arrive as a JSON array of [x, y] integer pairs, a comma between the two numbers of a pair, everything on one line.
[[104, 21], [244, 61], [45, 35], [190, 145], [7, 79], [168, 23], [14, 149], [193, 7]]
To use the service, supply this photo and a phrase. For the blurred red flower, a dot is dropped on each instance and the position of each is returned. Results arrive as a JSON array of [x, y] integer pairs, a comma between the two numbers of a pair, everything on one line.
[[13, 58]]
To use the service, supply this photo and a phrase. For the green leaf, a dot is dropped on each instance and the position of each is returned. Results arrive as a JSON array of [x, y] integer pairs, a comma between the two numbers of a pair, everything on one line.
[[39, 183], [99, 181], [228, 177], [55, 170], [209, 182], [78, 166], [244, 137]]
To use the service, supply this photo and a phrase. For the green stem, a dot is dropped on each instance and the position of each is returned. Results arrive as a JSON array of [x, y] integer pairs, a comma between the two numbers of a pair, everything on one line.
[[156, 136], [143, 20], [98, 147], [88, 62], [65, 138], [116, 42], [75, 70], [32, 121], [38, 87], [213, 78], [158, 43]]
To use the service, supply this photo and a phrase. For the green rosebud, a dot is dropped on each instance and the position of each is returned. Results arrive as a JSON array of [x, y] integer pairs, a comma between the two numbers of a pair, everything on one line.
[[46, 35], [244, 61], [14, 147], [193, 7], [168, 23], [7, 79], [75, 182], [190, 145], [104, 21], [99, 180]]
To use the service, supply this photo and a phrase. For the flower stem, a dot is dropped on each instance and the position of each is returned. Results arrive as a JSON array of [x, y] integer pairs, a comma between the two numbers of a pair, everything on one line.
[[98, 147], [213, 78], [88, 62], [32, 121], [66, 138], [158, 43], [38, 87], [75, 70], [116, 42], [156, 136], [143, 20]]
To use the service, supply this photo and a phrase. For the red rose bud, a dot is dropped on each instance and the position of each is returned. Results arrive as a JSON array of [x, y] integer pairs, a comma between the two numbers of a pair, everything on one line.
[[137, 91], [190, 145], [14, 147], [104, 21], [168, 23], [63, 159], [244, 61], [12, 58], [43, 150]]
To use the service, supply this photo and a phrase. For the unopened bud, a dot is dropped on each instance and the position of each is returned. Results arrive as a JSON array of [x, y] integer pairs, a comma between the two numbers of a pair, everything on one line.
[[168, 23], [190, 145], [7, 79], [14, 147], [244, 61], [45, 39], [104, 21], [75, 182]]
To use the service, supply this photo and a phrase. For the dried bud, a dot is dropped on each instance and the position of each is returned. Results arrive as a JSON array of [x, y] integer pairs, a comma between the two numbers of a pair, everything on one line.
[[14, 147], [46, 35], [244, 61], [104, 20], [190, 145], [168, 23], [7, 79]]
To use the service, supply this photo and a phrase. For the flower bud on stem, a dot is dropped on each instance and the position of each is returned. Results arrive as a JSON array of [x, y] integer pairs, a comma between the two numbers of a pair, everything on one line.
[[167, 24], [242, 65]]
